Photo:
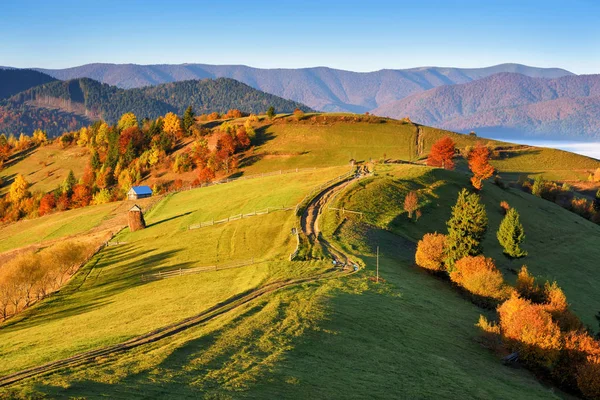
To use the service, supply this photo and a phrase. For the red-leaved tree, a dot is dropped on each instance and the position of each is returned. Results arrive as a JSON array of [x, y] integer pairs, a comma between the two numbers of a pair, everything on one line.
[[479, 164], [441, 153]]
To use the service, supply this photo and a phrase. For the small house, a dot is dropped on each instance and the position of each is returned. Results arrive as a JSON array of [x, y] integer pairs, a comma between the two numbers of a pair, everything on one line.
[[139, 192]]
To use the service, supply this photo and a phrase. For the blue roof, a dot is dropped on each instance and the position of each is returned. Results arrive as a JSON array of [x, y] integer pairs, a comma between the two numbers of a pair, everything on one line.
[[141, 189]]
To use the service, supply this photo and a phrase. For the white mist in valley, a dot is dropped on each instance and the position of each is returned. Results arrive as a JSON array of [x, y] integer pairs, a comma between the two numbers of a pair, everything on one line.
[[590, 149]]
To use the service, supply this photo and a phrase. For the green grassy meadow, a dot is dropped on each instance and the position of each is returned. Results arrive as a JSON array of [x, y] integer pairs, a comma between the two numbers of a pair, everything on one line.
[[411, 336], [108, 301], [561, 245], [54, 226], [46, 167]]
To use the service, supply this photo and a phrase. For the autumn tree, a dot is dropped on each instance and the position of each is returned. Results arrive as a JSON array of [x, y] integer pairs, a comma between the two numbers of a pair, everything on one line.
[[411, 203], [127, 120], [597, 201], [527, 287], [479, 276], [171, 124], [441, 153], [205, 175], [511, 234], [466, 228], [530, 330], [47, 204], [298, 114], [479, 165], [18, 189], [102, 197], [430, 251], [82, 196]]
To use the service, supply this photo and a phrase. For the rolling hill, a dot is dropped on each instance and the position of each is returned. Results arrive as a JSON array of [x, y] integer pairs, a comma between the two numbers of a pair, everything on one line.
[[566, 107], [13, 81], [60, 106], [302, 340], [320, 88]]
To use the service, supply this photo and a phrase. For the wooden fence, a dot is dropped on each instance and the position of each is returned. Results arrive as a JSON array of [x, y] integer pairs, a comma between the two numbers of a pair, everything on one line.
[[236, 217], [197, 270]]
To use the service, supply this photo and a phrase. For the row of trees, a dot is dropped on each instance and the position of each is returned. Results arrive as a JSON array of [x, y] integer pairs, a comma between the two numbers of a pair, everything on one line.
[[534, 320], [31, 276], [123, 154], [442, 155], [564, 196]]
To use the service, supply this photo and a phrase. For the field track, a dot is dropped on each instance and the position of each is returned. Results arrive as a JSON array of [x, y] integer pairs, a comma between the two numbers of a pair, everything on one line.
[[309, 225]]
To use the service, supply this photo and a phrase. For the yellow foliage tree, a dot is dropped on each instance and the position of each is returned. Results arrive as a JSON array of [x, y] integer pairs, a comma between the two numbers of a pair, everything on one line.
[[18, 189], [171, 123], [39, 137], [84, 137], [127, 120]]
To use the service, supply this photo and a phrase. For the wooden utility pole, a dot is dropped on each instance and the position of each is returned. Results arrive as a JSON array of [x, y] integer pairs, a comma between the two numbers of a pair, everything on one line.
[[377, 264]]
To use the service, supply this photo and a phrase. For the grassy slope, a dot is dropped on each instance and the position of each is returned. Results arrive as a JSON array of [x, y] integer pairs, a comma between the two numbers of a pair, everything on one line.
[[46, 167], [561, 245], [53, 226], [293, 144], [412, 337], [403, 332], [108, 301]]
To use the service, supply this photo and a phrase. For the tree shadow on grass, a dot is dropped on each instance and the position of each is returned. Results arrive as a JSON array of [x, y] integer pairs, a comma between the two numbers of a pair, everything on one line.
[[97, 293], [168, 219], [153, 382]]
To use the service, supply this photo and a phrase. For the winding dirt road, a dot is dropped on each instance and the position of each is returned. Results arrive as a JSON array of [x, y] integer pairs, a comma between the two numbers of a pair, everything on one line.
[[310, 226], [309, 222]]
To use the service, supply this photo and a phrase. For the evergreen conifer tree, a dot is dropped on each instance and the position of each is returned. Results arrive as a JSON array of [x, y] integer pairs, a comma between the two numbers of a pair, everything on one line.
[[466, 228], [511, 234], [68, 183], [188, 119]]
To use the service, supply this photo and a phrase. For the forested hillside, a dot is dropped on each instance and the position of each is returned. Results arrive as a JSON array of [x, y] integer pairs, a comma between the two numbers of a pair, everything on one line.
[[13, 81], [68, 105], [564, 107], [321, 88]]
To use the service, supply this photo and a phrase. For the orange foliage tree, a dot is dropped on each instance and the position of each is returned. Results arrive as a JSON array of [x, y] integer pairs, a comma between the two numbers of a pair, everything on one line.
[[441, 153], [430, 251], [47, 204], [530, 330], [479, 276], [411, 203], [480, 166]]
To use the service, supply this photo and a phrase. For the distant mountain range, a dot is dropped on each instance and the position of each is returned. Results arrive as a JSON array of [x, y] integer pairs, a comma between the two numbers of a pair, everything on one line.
[[509, 100], [58, 106], [320, 88], [509, 104]]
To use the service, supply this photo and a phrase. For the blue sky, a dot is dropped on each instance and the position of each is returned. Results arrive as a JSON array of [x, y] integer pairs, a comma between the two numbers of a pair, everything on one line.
[[353, 35]]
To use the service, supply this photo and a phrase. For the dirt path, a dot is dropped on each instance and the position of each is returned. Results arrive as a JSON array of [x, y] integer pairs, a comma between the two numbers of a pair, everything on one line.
[[164, 332], [309, 223]]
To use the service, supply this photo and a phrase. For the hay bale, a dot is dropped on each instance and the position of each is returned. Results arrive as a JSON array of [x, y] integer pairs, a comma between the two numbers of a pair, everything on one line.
[[136, 219]]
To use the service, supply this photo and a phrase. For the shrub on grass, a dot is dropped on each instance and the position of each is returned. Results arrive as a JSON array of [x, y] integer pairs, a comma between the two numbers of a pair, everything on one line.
[[530, 330], [479, 276], [430, 251]]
